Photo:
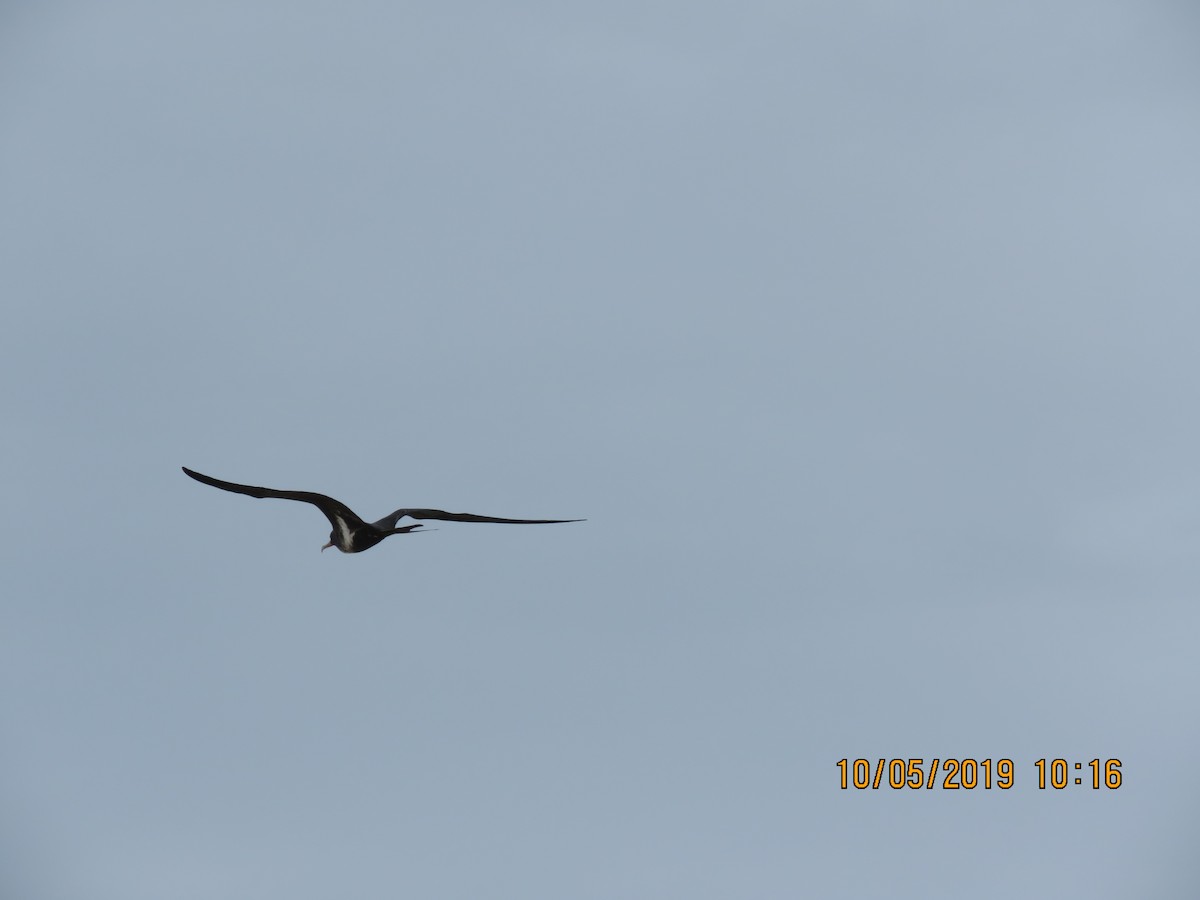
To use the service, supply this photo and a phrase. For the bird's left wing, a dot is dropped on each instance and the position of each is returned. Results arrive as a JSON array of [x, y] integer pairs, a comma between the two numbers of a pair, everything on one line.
[[390, 521]]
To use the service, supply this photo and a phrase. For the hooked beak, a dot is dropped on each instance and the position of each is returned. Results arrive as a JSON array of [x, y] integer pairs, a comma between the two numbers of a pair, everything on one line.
[[327, 546]]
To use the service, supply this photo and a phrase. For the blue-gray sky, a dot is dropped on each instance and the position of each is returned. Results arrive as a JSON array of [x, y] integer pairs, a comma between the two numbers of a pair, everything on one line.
[[864, 335]]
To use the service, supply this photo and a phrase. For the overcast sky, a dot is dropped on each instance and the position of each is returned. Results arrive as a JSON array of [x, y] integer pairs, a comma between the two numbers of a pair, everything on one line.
[[864, 335]]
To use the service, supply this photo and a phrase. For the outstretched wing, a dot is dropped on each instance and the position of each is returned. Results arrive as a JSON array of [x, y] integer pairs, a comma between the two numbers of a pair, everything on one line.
[[333, 509], [390, 521]]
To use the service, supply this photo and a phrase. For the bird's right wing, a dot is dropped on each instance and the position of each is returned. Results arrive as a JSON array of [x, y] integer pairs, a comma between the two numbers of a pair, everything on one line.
[[327, 505]]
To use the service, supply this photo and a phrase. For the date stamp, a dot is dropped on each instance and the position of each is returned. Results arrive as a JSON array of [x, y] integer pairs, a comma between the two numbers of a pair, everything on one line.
[[964, 773]]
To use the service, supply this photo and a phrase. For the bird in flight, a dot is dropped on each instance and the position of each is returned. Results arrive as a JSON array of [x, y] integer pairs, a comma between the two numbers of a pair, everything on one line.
[[350, 533]]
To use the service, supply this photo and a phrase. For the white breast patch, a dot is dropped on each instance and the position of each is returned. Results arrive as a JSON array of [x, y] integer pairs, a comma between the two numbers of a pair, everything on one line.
[[343, 534]]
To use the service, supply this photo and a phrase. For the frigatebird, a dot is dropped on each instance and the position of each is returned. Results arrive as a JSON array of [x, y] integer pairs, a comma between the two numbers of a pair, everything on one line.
[[350, 533]]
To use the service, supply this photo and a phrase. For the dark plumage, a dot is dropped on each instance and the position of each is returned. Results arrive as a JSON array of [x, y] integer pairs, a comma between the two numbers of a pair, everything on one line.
[[350, 533]]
